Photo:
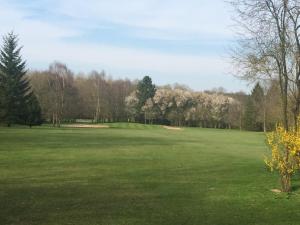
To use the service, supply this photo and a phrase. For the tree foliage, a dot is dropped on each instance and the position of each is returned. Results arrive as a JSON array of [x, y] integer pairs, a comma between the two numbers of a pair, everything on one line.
[[184, 107], [145, 90], [34, 112], [249, 118]]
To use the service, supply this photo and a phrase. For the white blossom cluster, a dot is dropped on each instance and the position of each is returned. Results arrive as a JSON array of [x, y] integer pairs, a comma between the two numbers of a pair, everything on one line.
[[184, 107]]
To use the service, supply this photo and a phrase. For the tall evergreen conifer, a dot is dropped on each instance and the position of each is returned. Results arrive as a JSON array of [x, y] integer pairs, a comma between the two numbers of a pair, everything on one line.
[[145, 90], [249, 117], [14, 87], [258, 98], [33, 111]]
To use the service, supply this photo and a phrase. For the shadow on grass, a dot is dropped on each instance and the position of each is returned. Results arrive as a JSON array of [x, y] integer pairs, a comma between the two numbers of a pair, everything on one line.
[[296, 187]]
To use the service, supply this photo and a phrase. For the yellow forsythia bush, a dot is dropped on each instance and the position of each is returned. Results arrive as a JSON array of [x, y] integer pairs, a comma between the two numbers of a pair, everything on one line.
[[285, 147]]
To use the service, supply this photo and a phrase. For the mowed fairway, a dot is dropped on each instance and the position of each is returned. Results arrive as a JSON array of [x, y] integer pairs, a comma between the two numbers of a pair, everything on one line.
[[139, 175]]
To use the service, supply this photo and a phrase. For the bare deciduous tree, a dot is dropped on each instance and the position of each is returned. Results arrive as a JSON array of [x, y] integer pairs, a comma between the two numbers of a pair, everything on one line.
[[59, 79], [269, 47]]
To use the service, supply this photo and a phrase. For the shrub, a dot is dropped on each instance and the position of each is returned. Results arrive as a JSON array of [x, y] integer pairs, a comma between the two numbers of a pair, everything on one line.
[[285, 158]]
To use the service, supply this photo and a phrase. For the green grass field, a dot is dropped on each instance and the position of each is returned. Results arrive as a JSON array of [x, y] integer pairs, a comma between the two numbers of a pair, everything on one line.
[[139, 175]]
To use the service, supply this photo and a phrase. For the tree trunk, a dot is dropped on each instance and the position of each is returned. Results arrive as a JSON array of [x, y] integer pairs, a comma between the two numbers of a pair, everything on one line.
[[297, 106], [241, 120], [265, 127], [285, 107], [286, 183]]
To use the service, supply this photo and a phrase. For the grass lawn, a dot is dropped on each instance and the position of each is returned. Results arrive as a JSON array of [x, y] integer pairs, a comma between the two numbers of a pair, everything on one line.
[[139, 175]]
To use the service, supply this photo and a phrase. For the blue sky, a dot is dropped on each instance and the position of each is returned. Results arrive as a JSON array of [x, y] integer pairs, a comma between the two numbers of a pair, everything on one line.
[[173, 41]]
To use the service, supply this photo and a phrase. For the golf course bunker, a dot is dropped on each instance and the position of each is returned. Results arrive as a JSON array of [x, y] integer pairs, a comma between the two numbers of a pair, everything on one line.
[[172, 128], [86, 126], [276, 191]]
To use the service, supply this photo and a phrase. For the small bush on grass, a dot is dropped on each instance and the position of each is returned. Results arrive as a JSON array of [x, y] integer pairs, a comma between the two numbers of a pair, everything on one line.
[[285, 157]]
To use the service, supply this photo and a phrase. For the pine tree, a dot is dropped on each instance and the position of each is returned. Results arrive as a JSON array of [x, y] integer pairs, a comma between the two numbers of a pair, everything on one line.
[[2, 104], [258, 97], [33, 111], [14, 86], [145, 90], [249, 122]]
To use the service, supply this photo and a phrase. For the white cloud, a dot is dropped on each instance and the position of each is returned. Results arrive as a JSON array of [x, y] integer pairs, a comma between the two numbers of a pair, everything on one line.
[[186, 19]]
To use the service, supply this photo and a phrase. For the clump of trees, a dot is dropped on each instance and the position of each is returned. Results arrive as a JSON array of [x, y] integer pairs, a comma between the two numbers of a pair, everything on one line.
[[65, 97], [18, 104], [180, 106]]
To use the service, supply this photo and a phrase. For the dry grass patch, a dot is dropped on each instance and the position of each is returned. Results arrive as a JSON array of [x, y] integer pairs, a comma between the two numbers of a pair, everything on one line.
[[276, 190], [172, 128]]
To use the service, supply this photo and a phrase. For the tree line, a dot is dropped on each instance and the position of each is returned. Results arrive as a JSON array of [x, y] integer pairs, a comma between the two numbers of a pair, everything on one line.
[[66, 97]]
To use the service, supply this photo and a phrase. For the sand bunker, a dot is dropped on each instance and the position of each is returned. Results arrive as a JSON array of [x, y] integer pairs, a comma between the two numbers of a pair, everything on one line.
[[85, 126], [172, 128], [276, 190]]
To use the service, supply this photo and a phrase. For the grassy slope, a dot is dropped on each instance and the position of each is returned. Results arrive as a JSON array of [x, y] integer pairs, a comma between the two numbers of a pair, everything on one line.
[[132, 174]]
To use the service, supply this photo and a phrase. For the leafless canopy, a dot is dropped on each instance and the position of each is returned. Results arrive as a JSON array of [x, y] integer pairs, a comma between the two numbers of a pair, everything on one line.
[[268, 46]]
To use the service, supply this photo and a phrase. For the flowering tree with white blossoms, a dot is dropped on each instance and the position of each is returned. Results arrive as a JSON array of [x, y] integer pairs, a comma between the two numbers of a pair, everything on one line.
[[182, 107]]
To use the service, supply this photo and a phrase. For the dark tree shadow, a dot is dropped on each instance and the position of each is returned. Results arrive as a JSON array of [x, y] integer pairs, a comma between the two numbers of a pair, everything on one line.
[[296, 187]]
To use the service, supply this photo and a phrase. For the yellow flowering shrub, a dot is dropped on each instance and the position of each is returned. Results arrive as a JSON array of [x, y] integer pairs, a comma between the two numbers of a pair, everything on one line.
[[285, 158]]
